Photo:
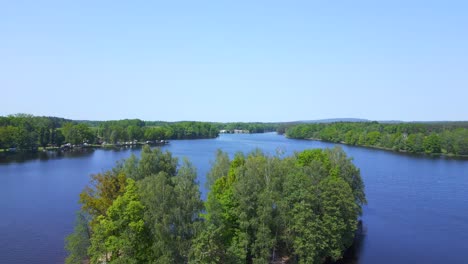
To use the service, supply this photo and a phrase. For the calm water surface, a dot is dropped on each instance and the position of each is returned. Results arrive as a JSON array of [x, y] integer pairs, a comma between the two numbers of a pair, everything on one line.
[[417, 211]]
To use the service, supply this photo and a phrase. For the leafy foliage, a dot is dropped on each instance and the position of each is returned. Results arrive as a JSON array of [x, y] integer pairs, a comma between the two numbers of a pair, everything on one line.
[[104, 189], [151, 216], [431, 138], [27, 132], [303, 208], [78, 242], [121, 236], [259, 209]]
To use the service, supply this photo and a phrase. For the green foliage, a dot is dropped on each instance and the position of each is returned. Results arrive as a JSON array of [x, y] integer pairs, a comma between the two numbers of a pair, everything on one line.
[[8, 136], [431, 138], [208, 247], [77, 134], [78, 242], [155, 161], [173, 207], [414, 143], [186, 209], [104, 189], [27, 132], [303, 207], [157, 194], [260, 209], [307, 157], [338, 218], [219, 168], [151, 216], [255, 127], [135, 129], [432, 143], [121, 236]]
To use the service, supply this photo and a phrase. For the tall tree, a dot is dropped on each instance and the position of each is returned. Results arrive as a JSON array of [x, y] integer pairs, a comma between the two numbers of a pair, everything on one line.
[[187, 208], [121, 236], [103, 190], [78, 242]]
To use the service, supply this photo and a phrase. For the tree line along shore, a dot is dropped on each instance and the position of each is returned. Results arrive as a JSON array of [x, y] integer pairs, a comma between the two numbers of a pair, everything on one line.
[[437, 138], [23, 132]]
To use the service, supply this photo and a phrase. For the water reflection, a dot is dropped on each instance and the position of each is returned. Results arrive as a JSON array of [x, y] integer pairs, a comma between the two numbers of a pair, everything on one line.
[[352, 254], [20, 157], [416, 210]]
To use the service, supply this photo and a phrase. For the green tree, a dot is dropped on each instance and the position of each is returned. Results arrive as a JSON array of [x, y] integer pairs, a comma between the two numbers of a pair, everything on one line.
[[8, 136], [259, 209], [103, 190], [78, 242], [77, 134], [157, 195], [187, 208], [121, 236], [373, 138], [432, 144], [154, 161], [339, 214], [219, 168], [302, 231], [134, 133], [414, 143], [208, 247]]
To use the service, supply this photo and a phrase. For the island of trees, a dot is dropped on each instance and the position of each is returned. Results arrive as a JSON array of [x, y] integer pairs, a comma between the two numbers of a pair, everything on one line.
[[259, 209], [449, 138]]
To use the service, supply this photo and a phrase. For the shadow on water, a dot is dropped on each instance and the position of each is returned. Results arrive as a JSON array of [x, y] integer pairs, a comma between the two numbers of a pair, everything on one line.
[[352, 254], [389, 151], [21, 157], [409, 154]]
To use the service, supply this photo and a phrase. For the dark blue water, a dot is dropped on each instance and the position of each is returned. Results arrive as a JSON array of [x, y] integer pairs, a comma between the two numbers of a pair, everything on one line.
[[417, 211]]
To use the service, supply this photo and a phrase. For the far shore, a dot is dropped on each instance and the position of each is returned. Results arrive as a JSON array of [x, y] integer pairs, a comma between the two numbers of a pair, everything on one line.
[[69, 147], [388, 149]]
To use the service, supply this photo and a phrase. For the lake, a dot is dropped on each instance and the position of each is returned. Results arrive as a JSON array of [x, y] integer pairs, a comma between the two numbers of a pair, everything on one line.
[[417, 208]]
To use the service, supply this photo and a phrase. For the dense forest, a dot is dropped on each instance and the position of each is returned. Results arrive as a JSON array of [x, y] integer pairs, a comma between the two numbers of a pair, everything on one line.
[[256, 127], [135, 129], [260, 209], [431, 138], [28, 133]]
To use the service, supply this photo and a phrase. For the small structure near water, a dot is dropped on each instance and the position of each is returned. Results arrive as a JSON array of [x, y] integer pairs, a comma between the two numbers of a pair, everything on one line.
[[234, 131]]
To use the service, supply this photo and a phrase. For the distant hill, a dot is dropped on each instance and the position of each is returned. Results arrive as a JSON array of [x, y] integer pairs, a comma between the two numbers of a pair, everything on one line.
[[391, 121], [333, 120]]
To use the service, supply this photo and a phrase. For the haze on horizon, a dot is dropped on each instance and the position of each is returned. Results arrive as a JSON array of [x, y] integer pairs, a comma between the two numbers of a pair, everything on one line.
[[235, 61]]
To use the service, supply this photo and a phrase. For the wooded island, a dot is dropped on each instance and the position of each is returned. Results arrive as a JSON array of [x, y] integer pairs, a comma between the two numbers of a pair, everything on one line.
[[260, 209]]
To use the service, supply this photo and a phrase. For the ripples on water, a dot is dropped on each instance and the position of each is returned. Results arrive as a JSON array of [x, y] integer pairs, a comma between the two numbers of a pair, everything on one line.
[[417, 208]]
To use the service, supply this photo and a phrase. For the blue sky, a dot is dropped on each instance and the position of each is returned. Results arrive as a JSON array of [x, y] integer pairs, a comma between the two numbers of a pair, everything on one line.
[[235, 60]]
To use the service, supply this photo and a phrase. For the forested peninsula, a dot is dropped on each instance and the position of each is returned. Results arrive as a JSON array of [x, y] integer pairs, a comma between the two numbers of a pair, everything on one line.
[[259, 209], [439, 138], [23, 132]]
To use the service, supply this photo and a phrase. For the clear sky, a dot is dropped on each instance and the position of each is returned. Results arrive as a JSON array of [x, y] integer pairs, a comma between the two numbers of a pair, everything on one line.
[[235, 60]]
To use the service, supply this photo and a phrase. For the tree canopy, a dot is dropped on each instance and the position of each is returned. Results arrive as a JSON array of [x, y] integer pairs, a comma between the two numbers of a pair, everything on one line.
[[431, 138], [260, 209]]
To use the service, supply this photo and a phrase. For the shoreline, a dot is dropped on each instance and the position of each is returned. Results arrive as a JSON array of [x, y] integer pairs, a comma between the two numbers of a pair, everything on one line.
[[445, 155], [66, 148]]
